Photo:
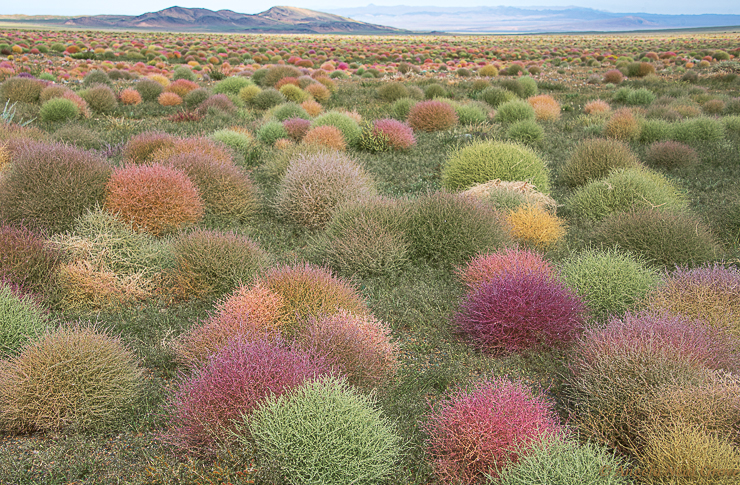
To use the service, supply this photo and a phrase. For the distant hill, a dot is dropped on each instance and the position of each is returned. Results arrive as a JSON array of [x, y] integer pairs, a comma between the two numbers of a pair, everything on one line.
[[275, 20], [533, 19]]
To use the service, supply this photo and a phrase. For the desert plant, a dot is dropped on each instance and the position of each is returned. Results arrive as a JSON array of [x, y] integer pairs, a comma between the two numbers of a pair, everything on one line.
[[294, 93], [394, 134], [183, 72], [483, 267], [471, 114], [217, 104], [478, 432], [325, 137], [315, 184], [597, 106], [130, 97], [525, 131], [196, 97], [271, 132], [661, 238], [211, 264], [74, 134], [624, 190], [698, 130], [446, 229], [513, 111], [231, 85], [153, 198], [267, 98], [545, 107], [207, 406], [50, 185], [401, 108], [622, 125], [349, 127], [296, 128], [290, 110], [319, 92], [141, 147], [520, 309], [594, 159], [28, 260], [169, 99], [613, 76], [276, 73], [640, 97], [496, 96], [77, 377], [535, 227], [96, 77], [240, 142], [432, 116], [654, 130], [21, 319], [248, 93], [100, 98], [391, 92], [483, 161], [21, 90], [58, 109], [149, 89], [610, 282], [201, 146]]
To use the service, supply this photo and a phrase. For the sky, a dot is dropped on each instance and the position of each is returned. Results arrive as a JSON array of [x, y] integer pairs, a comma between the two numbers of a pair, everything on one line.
[[137, 7]]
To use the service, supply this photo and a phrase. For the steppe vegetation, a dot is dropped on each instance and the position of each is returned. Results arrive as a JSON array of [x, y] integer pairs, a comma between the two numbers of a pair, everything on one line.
[[333, 260]]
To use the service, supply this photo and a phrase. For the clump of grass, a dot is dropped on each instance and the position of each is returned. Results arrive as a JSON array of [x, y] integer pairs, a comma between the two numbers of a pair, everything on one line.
[[546, 108], [350, 128], [622, 125], [141, 147], [513, 111], [594, 159], [484, 267], [21, 319], [431, 116], [28, 260], [535, 227]]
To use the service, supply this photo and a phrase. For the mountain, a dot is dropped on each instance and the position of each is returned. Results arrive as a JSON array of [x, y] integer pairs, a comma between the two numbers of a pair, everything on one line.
[[533, 19], [275, 20]]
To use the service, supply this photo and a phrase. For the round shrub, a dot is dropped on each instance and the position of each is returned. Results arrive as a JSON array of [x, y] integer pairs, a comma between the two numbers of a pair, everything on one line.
[[617, 367], [100, 98], [391, 92], [50, 185], [519, 310], [130, 97], [594, 159], [365, 238], [276, 73], [169, 99], [432, 116], [320, 93], [296, 128], [482, 268], [660, 238], [210, 264], [240, 142], [271, 132], [622, 126], [96, 77], [545, 107], [654, 130], [200, 146], [231, 85], [488, 71], [294, 93], [326, 432], [525, 131], [28, 260], [401, 108], [470, 114], [21, 90], [267, 98], [232, 384], [315, 184], [483, 161], [394, 134], [535, 227], [496, 96], [290, 110], [153, 198], [527, 86], [312, 107], [698, 130], [360, 348], [513, 111], [58, 109], [21, 319], [624, 190], [559, 461], [325, 137], [218, 104], [640, 97], [613, 76], [609, 281], [140, 148], [74, 378], [195, 97], [183, 72], [477, 433], [710, 293], [435, 91], [596, 107], [248, 93], [349, 127]]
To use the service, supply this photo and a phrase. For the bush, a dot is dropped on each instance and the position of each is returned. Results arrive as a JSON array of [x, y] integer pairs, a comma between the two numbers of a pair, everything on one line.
[[350, 129], [231, 85], [596, 107], [660, 238], [325, 432], [478, 433], [290, 110], [435, 91], [654, 130], [275, 74], [358, 347], [519, 310], [195, 97], [545, 107], [446, 229], [271, 132], [622, 126], [559, 461], [233, 382], [294, 93], [199, 146], [528, 86], [50, 185], [624, 190], [496, 96], [324, 137], [483, 161], [240, 142], [21, 319], [28, 260], [100, 98], [210, 264], [390, 134], [513, 111], [640, 97], [698, 130], [218, 103], [613, 76], [58, 109], [594, 159], [365, 238], [296, 128], [169, 99], [391, 92], [96, 77], [183, 72], [74, 378], [320, 93], [155, 199], [710, 293], [267, 98], [315, 184], [432, 116], [21, 90], [610, 282], [535, 227], [617, 367], [525, 131], [488, 71], [483, 268], [140, 148], [130, 97], [401, 108], [312, 107]]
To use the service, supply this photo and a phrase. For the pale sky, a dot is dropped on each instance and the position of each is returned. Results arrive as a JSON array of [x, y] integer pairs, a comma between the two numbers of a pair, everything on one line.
[[137, 7]]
